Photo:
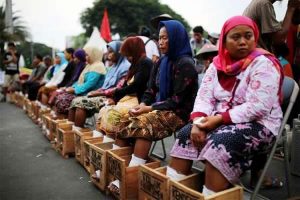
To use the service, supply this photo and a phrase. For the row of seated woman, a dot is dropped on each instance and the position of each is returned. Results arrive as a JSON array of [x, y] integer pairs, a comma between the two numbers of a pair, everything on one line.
[[233, 117]]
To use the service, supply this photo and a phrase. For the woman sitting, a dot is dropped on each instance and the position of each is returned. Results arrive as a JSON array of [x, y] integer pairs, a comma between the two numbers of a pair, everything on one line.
[[237, 110], [91, 77], [130, 94], [72, 73], [168, 100], [57, 76], [95, 100]]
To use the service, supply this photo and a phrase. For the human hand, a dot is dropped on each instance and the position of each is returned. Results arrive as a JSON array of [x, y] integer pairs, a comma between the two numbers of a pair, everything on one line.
[[94, 93], [210, 123], [140, 109], [110, 101], [70, 90], [198, 137]]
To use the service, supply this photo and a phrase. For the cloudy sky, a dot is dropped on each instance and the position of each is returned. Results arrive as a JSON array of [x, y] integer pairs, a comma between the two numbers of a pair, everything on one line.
[[50, 21]]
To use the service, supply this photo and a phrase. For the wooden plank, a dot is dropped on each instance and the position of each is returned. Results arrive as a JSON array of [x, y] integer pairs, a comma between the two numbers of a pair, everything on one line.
[[118, 160], [79, 136], [86, 150], [153, 183], [189, 188]]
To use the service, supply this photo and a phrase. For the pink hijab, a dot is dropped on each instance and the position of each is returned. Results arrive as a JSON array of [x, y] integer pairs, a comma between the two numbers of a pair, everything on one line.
[[227, 68], [223, 61]]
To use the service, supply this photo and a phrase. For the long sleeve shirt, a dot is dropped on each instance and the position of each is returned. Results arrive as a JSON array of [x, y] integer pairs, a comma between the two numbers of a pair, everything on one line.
[[185, 85], [255, 96], [139, 83]]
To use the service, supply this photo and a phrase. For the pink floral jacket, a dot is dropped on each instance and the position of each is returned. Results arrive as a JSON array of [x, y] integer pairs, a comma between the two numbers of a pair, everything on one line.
[[255, 98]]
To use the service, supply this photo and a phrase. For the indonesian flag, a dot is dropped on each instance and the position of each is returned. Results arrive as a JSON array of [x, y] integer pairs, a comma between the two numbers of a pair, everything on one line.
[[105, 28]]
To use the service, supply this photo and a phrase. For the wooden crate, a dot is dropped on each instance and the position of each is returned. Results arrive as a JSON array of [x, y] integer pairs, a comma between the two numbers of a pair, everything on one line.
[[189, 189], [86, 151], [47, 126], [98, 161], [65, 139], [118, 160], [154, 184], [80, 134], [53, 124]]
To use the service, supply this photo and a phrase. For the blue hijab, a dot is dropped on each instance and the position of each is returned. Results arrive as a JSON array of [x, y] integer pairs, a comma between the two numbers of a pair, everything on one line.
[[179, 46], [63, 62], [119, 70]]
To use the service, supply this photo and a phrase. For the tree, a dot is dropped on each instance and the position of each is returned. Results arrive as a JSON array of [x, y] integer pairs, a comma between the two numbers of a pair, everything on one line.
[[20, 33], [29, 49], [126, 16]]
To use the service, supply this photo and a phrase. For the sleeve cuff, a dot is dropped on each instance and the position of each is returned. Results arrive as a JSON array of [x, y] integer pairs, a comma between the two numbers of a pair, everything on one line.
[[197, 114], [226, 117]]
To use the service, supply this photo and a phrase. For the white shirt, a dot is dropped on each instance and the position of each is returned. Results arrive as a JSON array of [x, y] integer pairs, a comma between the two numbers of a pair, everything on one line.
[[151, 47]]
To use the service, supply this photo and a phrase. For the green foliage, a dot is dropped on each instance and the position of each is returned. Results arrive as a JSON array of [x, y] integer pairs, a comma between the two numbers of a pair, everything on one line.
[[126, 16], [28, 50], [20, 33], [79, 41]]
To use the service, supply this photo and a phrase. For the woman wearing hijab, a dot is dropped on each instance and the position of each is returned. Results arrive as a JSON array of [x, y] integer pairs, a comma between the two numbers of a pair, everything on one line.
[[58, 75], [95, 100], [167, 102], [236, 114], [91, 77], [130, 93], [72, 72]]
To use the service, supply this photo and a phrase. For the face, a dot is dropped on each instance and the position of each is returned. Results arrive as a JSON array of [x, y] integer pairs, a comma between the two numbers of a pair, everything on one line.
[[197, 37], [129, 58], [111, 56], [163, 41], [68, 56], [76, 60], [35, 61], [57, 60], [240, 41], [48, 62]]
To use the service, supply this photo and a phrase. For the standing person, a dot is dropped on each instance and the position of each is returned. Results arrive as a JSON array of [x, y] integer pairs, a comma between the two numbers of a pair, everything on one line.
[[11, 64], [271, 31], [197, 42], [151, 47], [238, 106], [167, 102]]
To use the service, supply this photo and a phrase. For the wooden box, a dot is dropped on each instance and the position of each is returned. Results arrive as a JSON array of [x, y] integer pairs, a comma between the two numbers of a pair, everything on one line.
[[189, 189], [53, 125], [65, 139], [86, 151], [98, 161], [154, 184], [118, 160], [80, 134]]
